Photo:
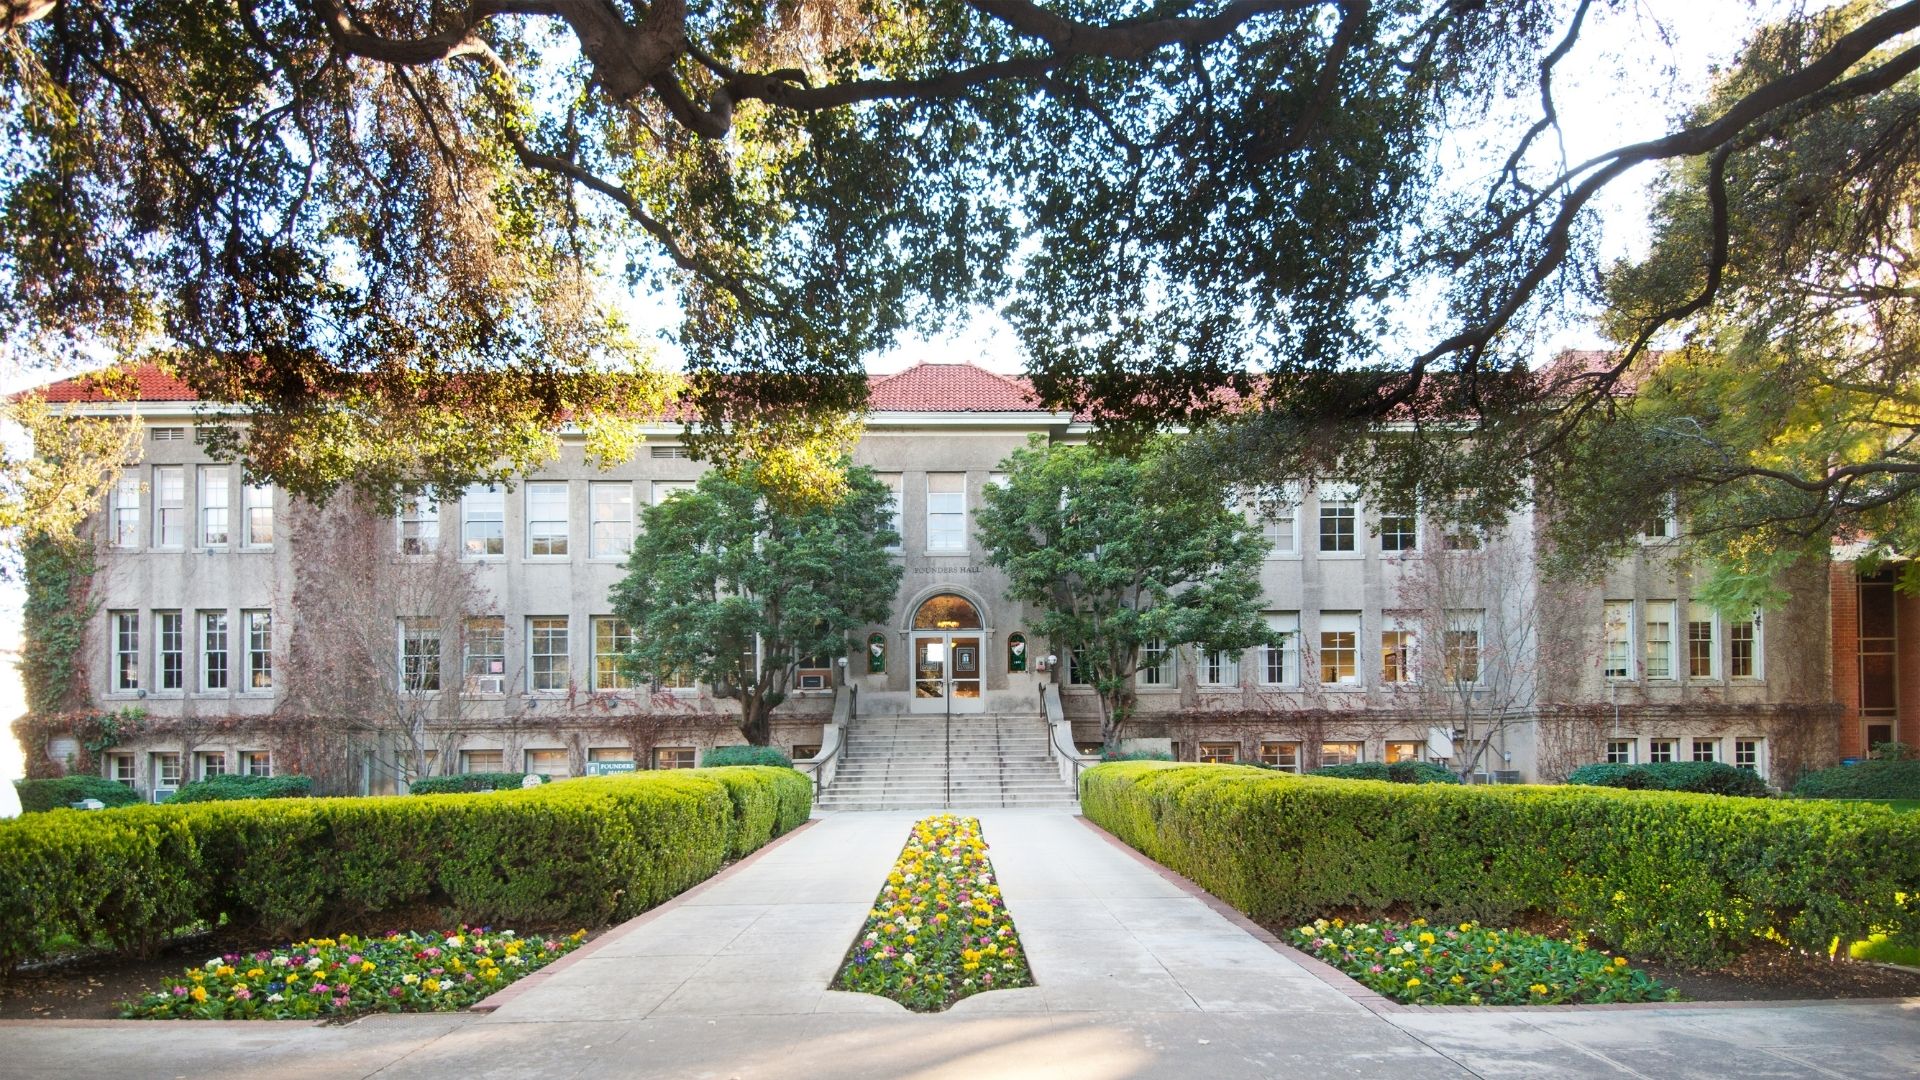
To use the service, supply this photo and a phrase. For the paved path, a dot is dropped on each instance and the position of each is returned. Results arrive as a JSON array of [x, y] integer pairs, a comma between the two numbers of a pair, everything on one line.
[[1135, 979]]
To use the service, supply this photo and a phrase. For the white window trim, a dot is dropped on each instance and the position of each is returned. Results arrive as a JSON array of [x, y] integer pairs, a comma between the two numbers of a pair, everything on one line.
[[1647, 610], [203, 506], [1359, 680], [566, 521], [248, 619], [1339, 493], [1633, 658], [594, 520], [964, 546], [1419, 536], [567, 656], [248, 494], [1716, 662], [1759, 652], [1286, 623], [1289, 496], [467, 520]]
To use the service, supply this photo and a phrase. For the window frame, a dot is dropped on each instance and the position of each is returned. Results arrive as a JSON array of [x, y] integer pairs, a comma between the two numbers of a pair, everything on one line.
[[498, 758], [1164, 671], [1212, 752], [1711, 642], [1656, 748], [937, 535], [169, 511], [1649, 610], [123, 652], [544, 541], [660, 753], [1398, 657], [607, 664], [559, 665], [1271, 752], [215, 491], [123, 525], [1279, 517], [1624, 670], [1630, 757], [475, 630], [255, 499], [1340, 506], [1466, 638], [609, 539], [1405, 533], [1754, 746], [1218, 668], [249, 757], [421, 646], [418, 528], [1710, 745], [1753, 640], [1359, 751], [1287, 624], [256, 625], [206, 632], [1331, 649], [169, 662], [202, 758], [483, 518]]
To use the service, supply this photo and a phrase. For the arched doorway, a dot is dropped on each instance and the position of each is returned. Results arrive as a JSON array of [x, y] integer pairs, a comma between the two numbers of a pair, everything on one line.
[[947, 656]]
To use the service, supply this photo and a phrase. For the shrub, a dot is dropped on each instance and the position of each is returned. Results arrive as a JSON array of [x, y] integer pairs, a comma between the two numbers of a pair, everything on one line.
[[62, 792], [574, 854], [1111, 754], [767, 801], [745, 755], [1686, 877], [1700, 777], [1879, 779], [1398, 772], [473, 781], [231, 786]]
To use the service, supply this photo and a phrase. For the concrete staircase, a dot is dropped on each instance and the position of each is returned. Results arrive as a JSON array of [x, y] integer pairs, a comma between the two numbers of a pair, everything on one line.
[[900, 763]]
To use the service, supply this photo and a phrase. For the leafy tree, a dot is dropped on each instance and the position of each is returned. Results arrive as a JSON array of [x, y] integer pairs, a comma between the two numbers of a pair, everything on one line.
[[733, 584], [1115, 551], [75, 461]]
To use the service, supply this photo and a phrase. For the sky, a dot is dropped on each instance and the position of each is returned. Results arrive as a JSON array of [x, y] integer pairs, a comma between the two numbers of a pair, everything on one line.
[[1620, 85]]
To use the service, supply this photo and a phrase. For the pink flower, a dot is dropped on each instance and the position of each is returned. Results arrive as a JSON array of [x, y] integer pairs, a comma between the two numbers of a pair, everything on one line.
[[433, 951], [340, 1002], [243, 994], [354, 959], [179, 991], [321, 988], [1376, 969], [394, 991]]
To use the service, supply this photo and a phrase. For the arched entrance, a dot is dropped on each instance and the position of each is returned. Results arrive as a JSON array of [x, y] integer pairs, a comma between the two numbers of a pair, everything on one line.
[[947, 656]]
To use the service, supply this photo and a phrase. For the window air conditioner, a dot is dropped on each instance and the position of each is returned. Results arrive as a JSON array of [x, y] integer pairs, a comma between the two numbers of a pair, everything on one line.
[[487, 684], [162, 794]]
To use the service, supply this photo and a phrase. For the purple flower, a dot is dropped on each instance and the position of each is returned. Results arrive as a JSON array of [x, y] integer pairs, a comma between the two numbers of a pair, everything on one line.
[[320, 988], [179, 991], [354, 959], [394, 991], [340, 1002]]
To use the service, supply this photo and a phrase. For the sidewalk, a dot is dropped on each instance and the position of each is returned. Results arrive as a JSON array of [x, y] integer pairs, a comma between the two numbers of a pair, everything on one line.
[[1135, 979]]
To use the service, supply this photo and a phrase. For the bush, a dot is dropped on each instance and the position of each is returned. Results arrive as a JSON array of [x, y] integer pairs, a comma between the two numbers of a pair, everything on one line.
[[1110, 754], [62, 792], [231, 786], [745, 755], [1398, 772], [467, 782], [767, 801], [1666, 874], [1880, 779], [1700, 777], [574, 854]]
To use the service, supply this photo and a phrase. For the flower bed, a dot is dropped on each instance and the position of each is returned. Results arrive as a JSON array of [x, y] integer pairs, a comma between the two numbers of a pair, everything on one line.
[[402, 972], [938, 931], [1470, 964]]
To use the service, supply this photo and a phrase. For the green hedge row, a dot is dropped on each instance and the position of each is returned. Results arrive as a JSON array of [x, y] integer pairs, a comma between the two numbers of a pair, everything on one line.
[[745, 755], [1398, 772], [62, 792], [233, 786], [1700, 777], [579, 853], [1867, 780], [472, 781], [1691, 878]]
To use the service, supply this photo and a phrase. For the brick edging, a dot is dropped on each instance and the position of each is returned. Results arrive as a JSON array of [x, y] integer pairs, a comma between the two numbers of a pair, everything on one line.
[[506, 994], [1383, 1005]]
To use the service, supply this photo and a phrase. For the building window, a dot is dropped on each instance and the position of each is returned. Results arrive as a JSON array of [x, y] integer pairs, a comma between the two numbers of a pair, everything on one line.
[[1338, 518], [213, 650], [1079, 673], [1220, 668], [126, 650], [1665, 525], [1399, 532], [554, 763], [169, 506], [546, 520], [673, 757], [1402, 751], [1706, 749], [1340, 753], [256, 762], [1463, 647], [1339, 647], [1879, 630], [1219, 753], [610, 526], [667, 489], [895, 516], [125, 530], [120, 769], [1280, 662], [483, 525], [611, 639], [1703, 653], [166, 775], [215, 500], [1662, 750], [1659, 623], [547, 654], [170, 649], [473, 761], [420, 655], [257, 501], [1617, 629], [1743, 647], [419, 525], [210, 763], [669, 453], [1280, 520], [610, 753], [1747, 755], [1396, 656], [1281, 755], [946, 512], [805, 751], [258, 626], [170, 434], [1620, 751], [1156, 664], [485, 662]]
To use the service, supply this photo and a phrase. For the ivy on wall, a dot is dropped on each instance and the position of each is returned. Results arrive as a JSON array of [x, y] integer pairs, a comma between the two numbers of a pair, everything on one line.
[[59, 577]]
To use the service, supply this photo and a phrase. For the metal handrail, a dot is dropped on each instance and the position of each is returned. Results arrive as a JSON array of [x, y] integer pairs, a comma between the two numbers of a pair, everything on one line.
[[1071, 753], [846, 735]]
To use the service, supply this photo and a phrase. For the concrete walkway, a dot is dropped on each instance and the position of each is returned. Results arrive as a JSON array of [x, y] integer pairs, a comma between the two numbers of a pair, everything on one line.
[[1136, 978]]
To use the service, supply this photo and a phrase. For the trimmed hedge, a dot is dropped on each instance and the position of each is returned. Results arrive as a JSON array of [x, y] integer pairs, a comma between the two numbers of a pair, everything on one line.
[[767, 801], [62, 792], [1867, 780], [1135, 755], [581, 853], [232, 786], [1700, 777], [745, 755], [1684, 877], [468, 782], [1398, 772]]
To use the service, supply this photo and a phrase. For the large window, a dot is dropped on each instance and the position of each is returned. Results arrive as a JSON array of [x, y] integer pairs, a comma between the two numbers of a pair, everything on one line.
[[673, 757], [1281, 755], [166, 775], [1706, 749], [1703, 652], [1340, 648], [1750, 754], [213, 650], [1220, 668], [419, 525], [553, 763], [485, 663], [1617, 631], [170, 655], [1280, 662], [216, 525], [256, 762], [546, 520], [480, 761], [1280, 520], [946, 512], [1620, 751], [210, 763], [1659, 624], [1463, 647], [258, 626], [1402, 751], [122, 769], [1662, 750], [258, 504], [611, 523], [895, 516], [1156, 664], [1399, 532], [484, 521], [124, 531], [169, 506], [125, 628], [1341, 753], [1219, 753], [1879, 633], [1396, 655], [547, 668], [1743, 647], [612, 637], [420, 655], [1339, 519]]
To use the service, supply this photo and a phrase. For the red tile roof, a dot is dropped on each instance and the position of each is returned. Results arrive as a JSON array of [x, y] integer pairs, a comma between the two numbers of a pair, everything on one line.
[[136, 382]]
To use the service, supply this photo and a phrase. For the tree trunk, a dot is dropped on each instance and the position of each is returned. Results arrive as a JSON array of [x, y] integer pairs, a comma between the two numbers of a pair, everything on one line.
[[756, 720]]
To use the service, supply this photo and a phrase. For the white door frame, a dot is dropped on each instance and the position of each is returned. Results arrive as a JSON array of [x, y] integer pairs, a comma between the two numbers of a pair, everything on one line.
[[944, 698]]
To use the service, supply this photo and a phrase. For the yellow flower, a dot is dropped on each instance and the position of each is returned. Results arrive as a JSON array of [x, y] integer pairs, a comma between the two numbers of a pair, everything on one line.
[[366, 965], [198, 993], [1426, 939], [1458, 979], [1496, 967], [1538, 988], [223, 970], [431, 986], [1413, 982], [1465, 926], [1619, 961]]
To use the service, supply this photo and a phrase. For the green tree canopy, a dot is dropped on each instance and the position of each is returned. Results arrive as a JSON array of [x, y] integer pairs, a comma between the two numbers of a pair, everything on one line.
[[733, 585], [1115, 551]]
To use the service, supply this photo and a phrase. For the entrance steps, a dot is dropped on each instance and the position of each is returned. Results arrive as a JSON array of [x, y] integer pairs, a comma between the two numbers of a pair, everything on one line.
[[901, 763]]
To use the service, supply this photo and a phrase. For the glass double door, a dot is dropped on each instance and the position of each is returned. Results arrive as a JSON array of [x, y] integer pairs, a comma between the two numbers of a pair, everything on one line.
[[947, 673]]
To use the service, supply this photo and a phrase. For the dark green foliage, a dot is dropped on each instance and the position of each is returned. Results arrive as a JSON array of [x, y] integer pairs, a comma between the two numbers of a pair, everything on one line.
[[55, 622], [579, 853], [1398, 772], [56, 794], [1867, 780], [473, 781], [231, 786], [1703, 777], [1683, 877], [745, 755], [1110, 754]]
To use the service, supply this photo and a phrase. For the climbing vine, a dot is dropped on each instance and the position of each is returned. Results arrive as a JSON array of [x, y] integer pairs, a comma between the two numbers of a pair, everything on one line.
[[59, 577]]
